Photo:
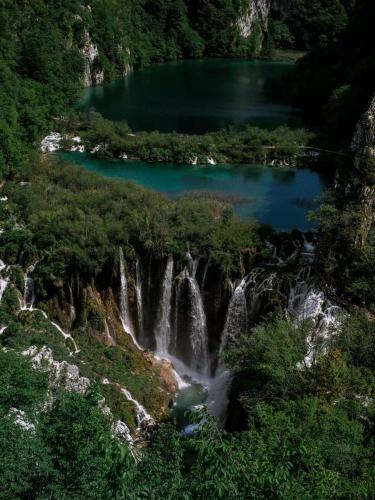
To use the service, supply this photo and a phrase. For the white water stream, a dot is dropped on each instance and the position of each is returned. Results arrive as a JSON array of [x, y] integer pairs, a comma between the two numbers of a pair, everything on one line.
[[139, 296], [163, 326], [124, 302]]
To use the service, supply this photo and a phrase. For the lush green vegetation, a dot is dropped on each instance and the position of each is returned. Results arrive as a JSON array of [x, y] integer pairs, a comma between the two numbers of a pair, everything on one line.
[[309, 23], [77, 222], [42, 64], [340, 220], [68, 454], [291, 433], [336, 99], [41, 61], [217, 23], [246, 145], [307, 435]]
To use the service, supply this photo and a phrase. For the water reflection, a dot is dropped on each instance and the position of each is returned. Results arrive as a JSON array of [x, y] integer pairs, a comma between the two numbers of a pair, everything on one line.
[[197, 96], [283, 175]]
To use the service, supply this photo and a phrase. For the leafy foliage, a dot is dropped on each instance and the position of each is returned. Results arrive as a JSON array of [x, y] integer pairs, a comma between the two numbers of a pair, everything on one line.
[[77, 221], [294, 433], [232, 145], [314, 22]]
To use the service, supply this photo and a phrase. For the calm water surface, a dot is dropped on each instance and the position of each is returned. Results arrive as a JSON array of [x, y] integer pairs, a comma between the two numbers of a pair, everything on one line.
[[198, 96], [280, 197], [206, 95]]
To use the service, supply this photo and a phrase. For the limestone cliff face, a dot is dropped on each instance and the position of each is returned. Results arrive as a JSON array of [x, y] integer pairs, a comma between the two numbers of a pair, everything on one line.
[[93, 74], [96, 55], [362, 185], [255, 14], [82, 307]]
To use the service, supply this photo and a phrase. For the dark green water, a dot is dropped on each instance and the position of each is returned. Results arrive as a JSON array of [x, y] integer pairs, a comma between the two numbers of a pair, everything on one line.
[[281, 197], [198, 96], [187, 400]]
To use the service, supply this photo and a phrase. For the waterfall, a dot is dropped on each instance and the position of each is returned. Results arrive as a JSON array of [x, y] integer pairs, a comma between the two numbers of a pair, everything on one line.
[[181, 384], [139, 297], [192, 264], [308, 250], [217, 399], [3, 285], [276, 260], [329, 320], [124, 302], [29, 293], [178, 295], [198, 332], [235, 323], [29, 289], [298, 295], [111, 341], [149, 278], [64, 334], [28, 305], [163, 327], [310, 305], [236, 320], [71, 304], [143, 418], [124, 305]]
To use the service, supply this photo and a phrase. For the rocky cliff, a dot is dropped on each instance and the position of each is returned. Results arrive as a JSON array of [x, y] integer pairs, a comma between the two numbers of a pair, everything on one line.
[[354, 183], [362, 187], [93, 73], [347, 217], [96, 56], [255, 14]]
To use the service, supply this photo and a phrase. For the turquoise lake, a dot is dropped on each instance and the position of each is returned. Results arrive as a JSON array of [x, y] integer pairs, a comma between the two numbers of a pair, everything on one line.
[[281, 197], [206, 95]]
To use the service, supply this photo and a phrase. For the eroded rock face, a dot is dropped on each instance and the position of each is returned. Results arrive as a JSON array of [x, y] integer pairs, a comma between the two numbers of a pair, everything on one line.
[[93, 73], [62, 374], [363, 144], [122, 432], [166, 373], [362, 185], [256, 13], [99, 312], [20, 418]]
